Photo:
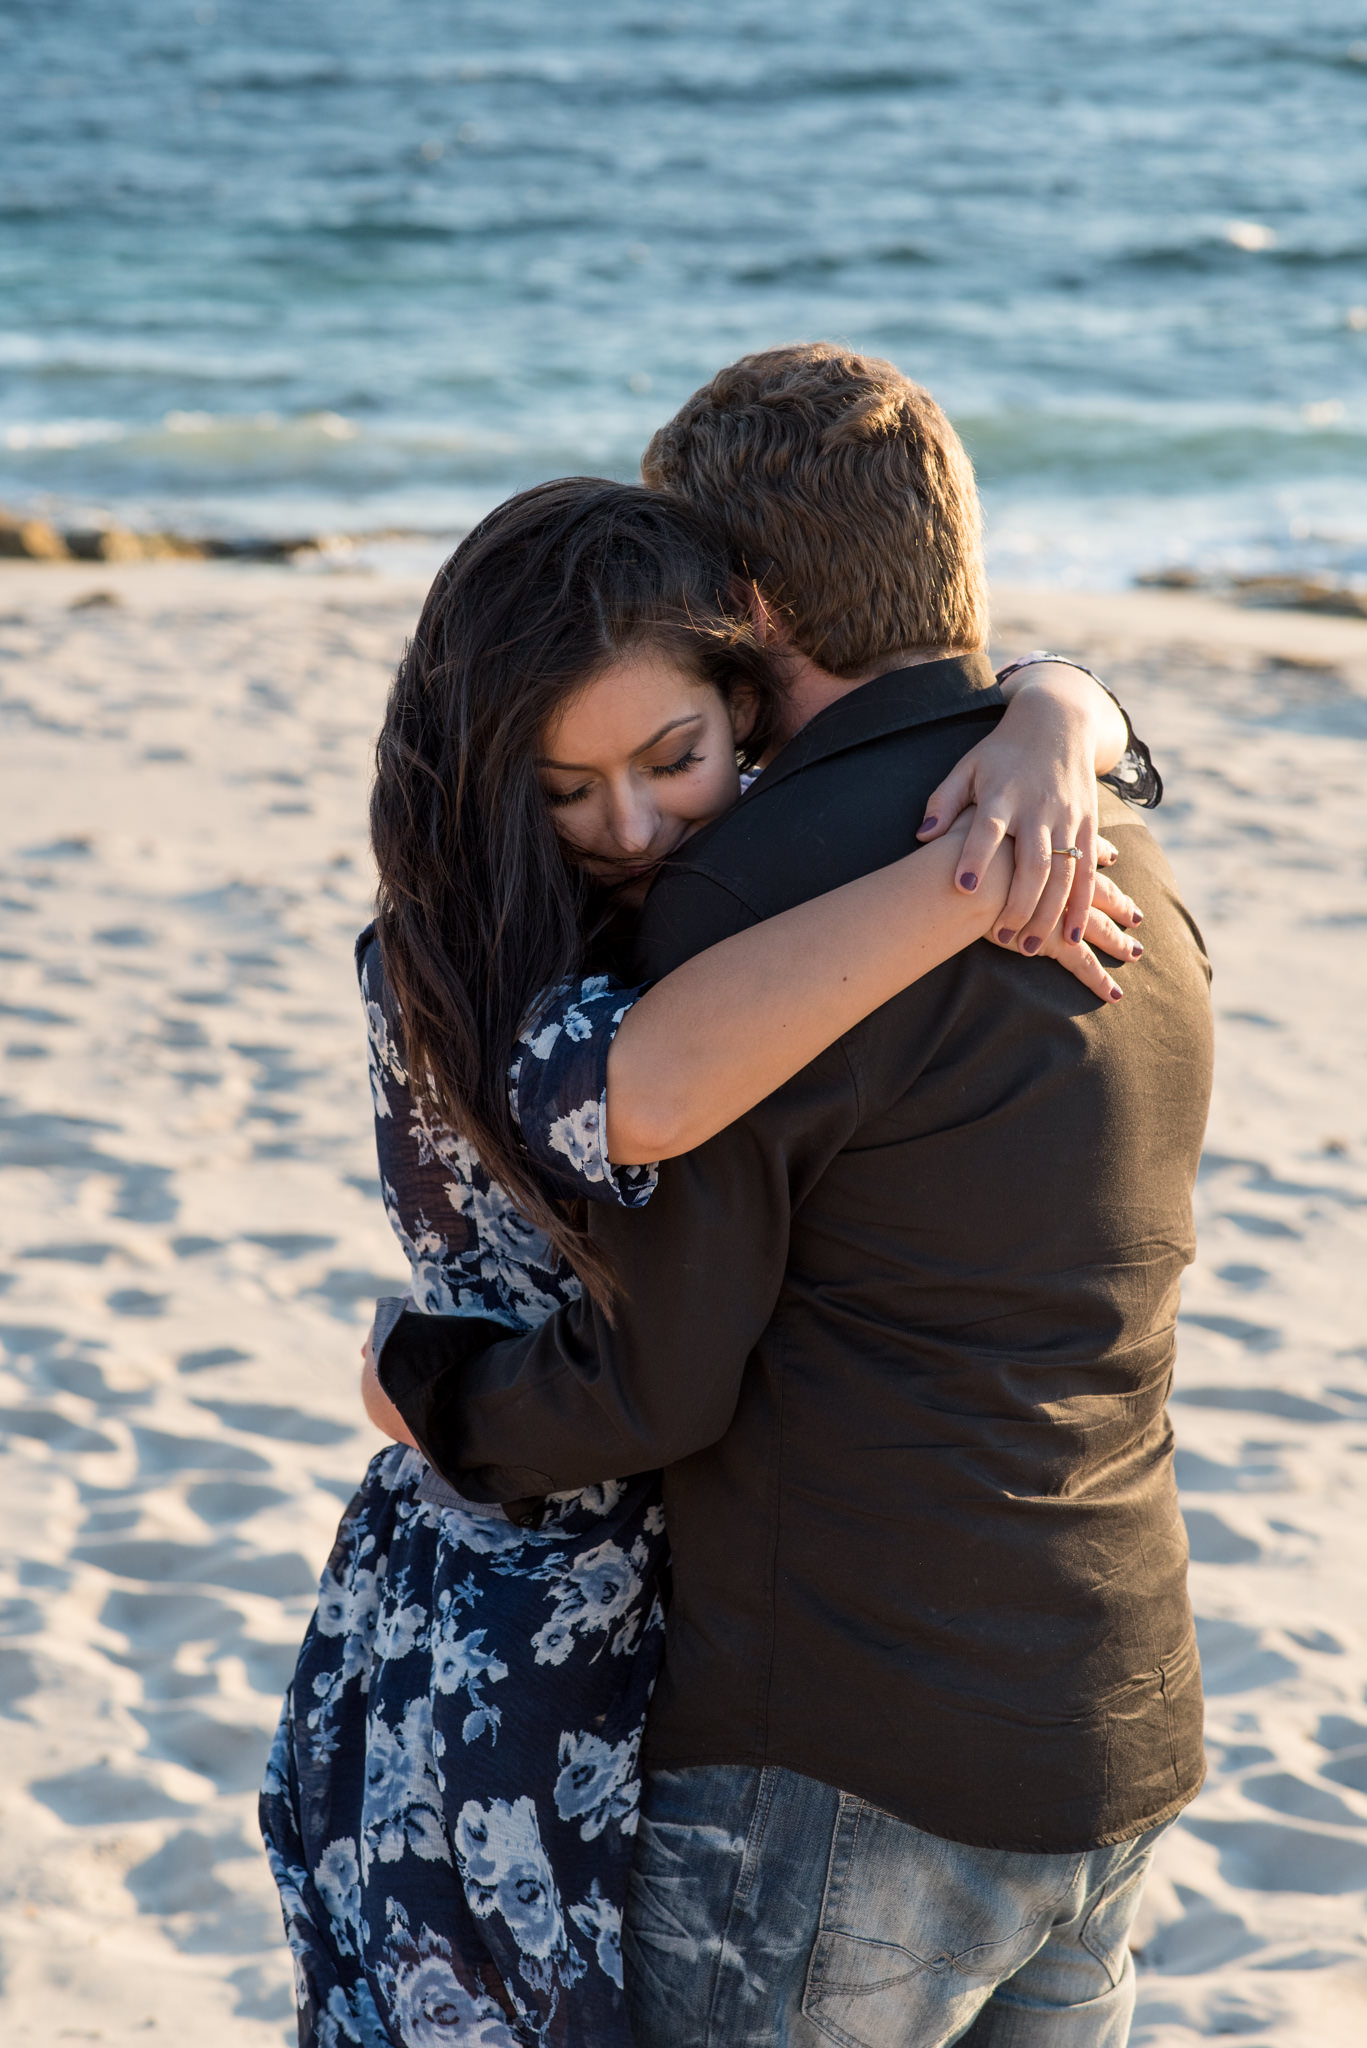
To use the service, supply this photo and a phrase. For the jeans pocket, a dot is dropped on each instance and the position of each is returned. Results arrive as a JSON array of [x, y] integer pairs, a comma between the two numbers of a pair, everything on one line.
[[914, 1927], [1110, 1917]]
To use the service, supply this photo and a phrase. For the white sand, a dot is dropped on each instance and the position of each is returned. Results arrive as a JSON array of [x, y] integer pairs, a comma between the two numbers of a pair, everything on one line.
[[192, 1235]]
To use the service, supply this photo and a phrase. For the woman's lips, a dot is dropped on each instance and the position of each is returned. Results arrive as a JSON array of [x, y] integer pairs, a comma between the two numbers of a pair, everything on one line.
[[609, 869], [633, 870]]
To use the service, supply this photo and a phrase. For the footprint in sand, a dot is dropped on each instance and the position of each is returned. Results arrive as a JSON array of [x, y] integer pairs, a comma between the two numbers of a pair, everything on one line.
[[1257, 1474], [1235, 1659], [292, 1425], [1262, 1856], [1285, 1793], [99, 1793], [161, 1451], [1212, 1541], [160, 1561], [232, 1756]]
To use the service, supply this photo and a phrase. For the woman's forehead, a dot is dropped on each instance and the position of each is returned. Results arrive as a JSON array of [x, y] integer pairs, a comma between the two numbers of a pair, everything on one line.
[[626, 708]]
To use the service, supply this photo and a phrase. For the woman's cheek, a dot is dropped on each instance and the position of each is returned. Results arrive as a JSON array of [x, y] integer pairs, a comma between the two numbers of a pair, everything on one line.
[[723, 789]]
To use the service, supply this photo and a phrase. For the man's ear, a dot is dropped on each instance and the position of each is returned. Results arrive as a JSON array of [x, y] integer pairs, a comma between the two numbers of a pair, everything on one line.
[[743, 707], [764, 621]]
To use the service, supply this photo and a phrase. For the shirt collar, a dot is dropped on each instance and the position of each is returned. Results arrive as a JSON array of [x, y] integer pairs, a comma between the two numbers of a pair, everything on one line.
[[895, 702]]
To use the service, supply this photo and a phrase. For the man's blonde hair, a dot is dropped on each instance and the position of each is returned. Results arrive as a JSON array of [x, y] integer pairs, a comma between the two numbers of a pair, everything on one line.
[[846, 497]]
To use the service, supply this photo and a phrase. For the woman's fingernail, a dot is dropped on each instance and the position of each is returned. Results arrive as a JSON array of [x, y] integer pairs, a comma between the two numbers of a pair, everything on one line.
[[1136, 951], [968, 881], [1004, 937], [1076, 933], [928, 824], [1031, 945], [1137, 917], [1116, 994]]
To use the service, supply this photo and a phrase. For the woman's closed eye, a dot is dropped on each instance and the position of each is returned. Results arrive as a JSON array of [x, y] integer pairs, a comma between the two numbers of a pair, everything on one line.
[[557, 798], [681, 766]]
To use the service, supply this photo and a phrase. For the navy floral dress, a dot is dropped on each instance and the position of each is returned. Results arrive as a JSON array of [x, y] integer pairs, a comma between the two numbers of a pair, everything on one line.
[[452, 1793]]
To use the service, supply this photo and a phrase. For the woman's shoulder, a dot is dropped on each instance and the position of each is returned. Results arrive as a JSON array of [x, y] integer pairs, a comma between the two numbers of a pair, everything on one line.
[[382, 1018], [369, 959], [559, 1090]]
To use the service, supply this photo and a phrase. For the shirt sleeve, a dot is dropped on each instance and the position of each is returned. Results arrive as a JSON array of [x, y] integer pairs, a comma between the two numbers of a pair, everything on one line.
[[592, 1395], [559, 1083], [1134, 775], [588, 1396]]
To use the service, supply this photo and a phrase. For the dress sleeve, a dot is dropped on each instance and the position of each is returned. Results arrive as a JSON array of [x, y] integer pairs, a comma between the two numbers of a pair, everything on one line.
[[559, 1080], [1134, 776]]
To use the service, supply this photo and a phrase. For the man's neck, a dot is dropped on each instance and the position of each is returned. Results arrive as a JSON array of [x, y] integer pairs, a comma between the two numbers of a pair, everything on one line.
[[808, 689]]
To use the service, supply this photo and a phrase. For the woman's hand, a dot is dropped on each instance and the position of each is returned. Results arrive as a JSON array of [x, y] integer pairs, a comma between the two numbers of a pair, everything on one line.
[[1111, 920], [1033, 780], [376, 1402]]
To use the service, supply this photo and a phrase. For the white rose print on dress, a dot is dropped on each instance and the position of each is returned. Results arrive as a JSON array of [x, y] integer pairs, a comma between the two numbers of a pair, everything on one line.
[[350, 1608], [506, 1871], [431, 2007], [581, 1137], [601, 1920], [462, 1664], [402, 1808], [598, 1783], [338, 1878], [597, 1595]]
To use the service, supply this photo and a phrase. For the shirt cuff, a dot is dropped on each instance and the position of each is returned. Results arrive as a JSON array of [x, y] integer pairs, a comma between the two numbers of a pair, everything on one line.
[[413, 1358]]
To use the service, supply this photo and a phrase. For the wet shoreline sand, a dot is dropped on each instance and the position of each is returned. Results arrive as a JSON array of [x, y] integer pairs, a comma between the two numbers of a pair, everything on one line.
[[192, 1234]]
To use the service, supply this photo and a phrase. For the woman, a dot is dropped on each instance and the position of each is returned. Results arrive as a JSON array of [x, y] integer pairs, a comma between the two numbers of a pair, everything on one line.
[[451, 1798]]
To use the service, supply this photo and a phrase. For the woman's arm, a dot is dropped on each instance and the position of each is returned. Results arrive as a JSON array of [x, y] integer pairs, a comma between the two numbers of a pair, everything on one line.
[[721, 1032]]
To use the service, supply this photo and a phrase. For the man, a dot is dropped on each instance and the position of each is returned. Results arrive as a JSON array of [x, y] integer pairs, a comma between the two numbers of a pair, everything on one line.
[[902, 1339]]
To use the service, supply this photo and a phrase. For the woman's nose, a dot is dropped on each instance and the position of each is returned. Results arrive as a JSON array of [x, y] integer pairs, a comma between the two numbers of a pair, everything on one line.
[[634, 821]]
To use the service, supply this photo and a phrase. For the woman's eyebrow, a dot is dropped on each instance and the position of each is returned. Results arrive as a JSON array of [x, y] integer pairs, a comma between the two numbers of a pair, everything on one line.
[[583, 767]]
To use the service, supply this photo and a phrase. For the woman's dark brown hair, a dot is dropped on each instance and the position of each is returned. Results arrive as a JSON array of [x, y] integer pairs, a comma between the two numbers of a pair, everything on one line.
[[480, 915]]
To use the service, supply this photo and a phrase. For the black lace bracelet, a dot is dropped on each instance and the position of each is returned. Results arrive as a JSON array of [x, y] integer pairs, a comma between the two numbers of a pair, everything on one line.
[[1134, 776]]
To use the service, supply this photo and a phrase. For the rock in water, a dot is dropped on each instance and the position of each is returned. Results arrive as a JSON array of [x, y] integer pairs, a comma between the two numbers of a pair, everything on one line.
[[30, 540], [105, 544]]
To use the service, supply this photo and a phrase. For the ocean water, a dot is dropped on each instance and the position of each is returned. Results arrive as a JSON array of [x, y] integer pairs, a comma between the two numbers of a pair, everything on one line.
[[279, 266]]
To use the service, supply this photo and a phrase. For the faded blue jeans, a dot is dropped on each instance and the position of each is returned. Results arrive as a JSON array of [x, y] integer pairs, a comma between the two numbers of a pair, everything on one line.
[[769, 1911]]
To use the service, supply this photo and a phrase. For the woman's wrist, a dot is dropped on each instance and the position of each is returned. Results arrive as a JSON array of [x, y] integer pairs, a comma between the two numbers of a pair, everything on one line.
[[975, 911], [1085, 704]]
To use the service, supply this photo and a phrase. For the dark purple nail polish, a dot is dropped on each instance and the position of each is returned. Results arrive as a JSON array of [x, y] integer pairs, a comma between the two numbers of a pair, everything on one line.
[[1004, 937], [1136, 951], [1031, 945], [1076, 933], [968, 881], [929, 824], [1116, 994], [1138, 917]]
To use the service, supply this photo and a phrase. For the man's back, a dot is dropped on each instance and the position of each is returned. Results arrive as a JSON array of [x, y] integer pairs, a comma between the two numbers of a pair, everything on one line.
[[937, 1557]]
